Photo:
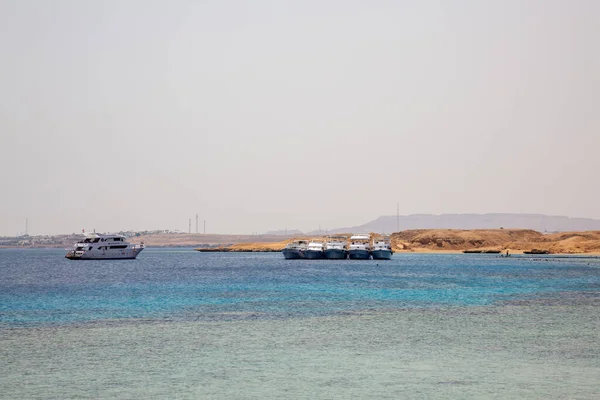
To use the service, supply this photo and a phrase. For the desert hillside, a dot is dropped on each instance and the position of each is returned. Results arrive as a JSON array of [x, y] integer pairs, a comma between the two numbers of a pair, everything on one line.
[[457, 239], [516, 240], [453, 240]]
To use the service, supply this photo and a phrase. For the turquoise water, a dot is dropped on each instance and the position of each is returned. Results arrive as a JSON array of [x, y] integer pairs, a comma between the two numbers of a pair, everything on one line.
[[182, 324]]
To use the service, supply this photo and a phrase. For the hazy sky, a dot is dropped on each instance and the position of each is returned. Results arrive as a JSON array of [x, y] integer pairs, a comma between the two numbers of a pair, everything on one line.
[[261, 115]]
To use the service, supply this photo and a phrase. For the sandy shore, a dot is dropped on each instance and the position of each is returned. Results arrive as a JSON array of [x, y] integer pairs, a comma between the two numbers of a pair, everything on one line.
[[515, 241]]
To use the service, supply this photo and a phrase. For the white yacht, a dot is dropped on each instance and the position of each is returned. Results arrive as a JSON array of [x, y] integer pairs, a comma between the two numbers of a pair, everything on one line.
[[295, 249], [382, 249], [360, 247], [314, 250], [335, 248], [104, 247]]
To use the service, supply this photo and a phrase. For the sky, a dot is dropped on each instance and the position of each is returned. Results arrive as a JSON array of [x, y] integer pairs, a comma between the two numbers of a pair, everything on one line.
[[264, 115]]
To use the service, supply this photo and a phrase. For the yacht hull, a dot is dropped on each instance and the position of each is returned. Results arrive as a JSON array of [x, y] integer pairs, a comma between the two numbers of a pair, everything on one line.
[[126, 255], [313, 254], [335, 254], [292, 254], [381, 254], [356, 254]]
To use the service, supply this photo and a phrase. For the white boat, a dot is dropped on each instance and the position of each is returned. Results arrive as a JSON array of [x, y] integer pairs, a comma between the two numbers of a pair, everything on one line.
[[314, 250], [382, 249], [360, 247], [335, 248], [295, 249], [104, 247]]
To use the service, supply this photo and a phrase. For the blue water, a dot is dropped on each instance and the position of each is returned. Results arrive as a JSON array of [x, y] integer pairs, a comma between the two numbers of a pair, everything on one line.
[[178, 324], [39, 287]]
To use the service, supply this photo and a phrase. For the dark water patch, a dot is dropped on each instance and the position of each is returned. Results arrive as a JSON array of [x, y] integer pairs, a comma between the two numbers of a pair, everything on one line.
[[456, 383], [571, 298]]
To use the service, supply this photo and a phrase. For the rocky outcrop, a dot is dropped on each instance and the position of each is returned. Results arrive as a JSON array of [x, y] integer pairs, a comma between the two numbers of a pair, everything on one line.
[[496, 239], [454, 239]]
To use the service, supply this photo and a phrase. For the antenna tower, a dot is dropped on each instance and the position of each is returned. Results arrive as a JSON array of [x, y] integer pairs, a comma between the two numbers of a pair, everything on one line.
[[398, 217]]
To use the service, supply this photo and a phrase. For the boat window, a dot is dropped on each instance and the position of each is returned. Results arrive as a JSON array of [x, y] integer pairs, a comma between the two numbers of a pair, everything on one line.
[[96, 240], [90, 248], [119, 247]]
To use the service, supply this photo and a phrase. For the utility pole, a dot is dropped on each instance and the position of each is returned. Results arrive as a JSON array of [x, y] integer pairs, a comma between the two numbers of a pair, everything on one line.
[[205, 227], [398, 217]]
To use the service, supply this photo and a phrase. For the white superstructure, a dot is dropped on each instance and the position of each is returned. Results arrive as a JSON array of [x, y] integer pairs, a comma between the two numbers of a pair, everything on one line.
[[315, 246], [382, 248], [360, 242], [104, 247], [382, 244], [314, 250], [336, 243]]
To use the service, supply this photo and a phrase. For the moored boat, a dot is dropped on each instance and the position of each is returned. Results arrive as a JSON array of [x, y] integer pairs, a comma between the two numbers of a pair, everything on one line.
[[314, 250], [104, 247], [382, 249], [335, 248], [295, 250], [360, 247]]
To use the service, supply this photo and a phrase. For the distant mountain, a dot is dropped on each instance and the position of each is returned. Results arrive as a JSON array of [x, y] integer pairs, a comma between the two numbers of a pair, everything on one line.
[[538, 222]]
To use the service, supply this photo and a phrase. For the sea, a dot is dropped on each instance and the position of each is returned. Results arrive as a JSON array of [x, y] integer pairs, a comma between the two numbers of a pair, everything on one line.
[[180, 324]]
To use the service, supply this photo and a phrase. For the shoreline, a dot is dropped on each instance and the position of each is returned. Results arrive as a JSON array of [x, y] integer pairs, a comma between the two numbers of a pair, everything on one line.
[[424, 251], [234, 249], [417, 241]]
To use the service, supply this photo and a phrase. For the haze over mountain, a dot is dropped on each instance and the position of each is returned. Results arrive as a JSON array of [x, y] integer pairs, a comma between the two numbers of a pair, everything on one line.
[[284, 232], [538, 222]]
